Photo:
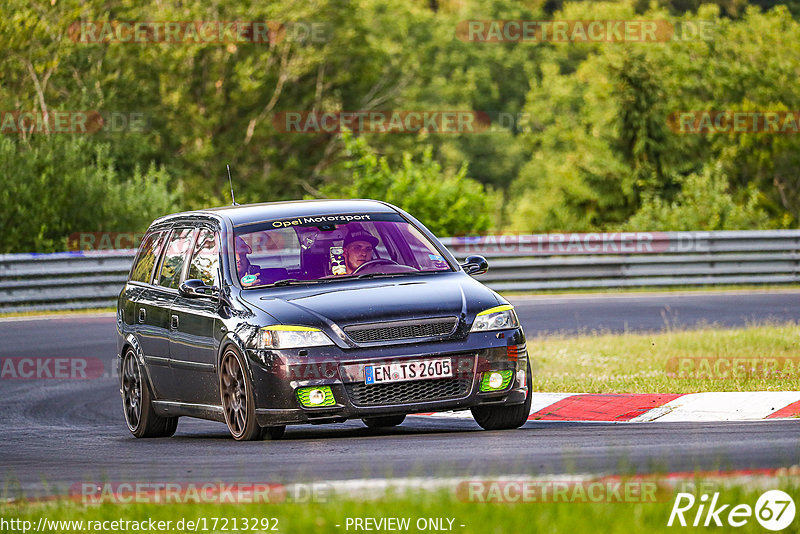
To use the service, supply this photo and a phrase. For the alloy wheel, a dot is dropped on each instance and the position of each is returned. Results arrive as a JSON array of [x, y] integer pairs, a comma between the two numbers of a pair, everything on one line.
[[132, 391], [234, 393]]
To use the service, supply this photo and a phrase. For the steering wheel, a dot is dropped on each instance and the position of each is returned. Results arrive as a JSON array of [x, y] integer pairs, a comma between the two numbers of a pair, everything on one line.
[[378, 261]]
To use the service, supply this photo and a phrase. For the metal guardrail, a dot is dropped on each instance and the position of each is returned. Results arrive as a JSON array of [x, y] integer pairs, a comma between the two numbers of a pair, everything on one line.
[[74, 280], [62, 281]]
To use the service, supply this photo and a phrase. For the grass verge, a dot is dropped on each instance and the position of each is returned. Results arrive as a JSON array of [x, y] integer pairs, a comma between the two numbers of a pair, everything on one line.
[[454, 511], [757, 358]]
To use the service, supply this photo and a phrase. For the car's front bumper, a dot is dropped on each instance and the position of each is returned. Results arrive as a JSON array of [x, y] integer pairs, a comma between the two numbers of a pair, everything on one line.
[[278, 374]]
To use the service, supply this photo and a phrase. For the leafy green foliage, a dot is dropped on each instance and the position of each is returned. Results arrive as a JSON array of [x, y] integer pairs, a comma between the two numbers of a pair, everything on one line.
[[448, 204], [60, 185], [580, 138], [703, 202], [599, 143]]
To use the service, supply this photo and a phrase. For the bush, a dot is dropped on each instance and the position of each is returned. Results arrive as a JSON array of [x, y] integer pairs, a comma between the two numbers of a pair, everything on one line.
[[704, 203], [57, 185], [447, 204]]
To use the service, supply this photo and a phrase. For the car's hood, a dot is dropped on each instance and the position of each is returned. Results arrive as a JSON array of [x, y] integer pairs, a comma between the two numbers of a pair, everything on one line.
[[366, 301]]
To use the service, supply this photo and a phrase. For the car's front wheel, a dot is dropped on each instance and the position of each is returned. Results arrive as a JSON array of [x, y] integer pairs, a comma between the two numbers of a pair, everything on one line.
[[385, 421], [505, 417], [238, 404], [142, 420]]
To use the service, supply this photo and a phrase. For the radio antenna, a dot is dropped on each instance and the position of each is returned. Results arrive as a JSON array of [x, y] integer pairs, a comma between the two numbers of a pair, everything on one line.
[[230, 181]]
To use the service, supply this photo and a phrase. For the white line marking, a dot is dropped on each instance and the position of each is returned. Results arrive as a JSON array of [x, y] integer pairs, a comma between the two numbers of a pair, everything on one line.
[[722, 406], [710, 406]]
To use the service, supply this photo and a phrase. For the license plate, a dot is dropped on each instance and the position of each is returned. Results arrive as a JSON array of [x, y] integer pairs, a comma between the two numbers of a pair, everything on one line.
[[413, 370]]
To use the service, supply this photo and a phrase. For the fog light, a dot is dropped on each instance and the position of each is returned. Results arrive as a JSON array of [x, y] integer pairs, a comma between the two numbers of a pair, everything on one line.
[[315, 396], [496, 380]]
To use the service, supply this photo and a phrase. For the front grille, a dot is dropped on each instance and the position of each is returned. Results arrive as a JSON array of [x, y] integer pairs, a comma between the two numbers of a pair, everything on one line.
[[395, 330], [407, 392]]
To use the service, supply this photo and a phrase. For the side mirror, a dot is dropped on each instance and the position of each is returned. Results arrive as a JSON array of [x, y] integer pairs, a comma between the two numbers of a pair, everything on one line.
[[475, 265], [197, 288]]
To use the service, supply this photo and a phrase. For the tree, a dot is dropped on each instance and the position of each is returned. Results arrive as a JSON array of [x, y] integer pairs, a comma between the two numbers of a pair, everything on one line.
[[447, 204], [60, 185], [704, 203]]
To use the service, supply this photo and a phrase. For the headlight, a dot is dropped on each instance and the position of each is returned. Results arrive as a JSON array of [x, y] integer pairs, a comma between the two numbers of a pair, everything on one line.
[[497, 318], [291, 337]]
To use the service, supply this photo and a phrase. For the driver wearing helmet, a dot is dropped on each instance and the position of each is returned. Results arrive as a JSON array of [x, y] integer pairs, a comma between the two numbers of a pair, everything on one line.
[[359, 246]]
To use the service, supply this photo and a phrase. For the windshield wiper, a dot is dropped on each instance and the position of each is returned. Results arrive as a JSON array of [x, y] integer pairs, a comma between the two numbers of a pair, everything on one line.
[[292, 281], [285, 282], [376, 275]]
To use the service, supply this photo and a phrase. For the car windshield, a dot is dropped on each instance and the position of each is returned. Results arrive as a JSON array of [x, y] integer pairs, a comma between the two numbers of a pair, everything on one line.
[[330, 247]]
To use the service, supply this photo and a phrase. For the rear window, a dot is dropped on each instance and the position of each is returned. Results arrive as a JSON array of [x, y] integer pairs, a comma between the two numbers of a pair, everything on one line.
[[145, 261]]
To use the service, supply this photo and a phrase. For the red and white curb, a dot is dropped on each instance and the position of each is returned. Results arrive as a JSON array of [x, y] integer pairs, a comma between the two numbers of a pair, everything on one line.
[[646, 407]]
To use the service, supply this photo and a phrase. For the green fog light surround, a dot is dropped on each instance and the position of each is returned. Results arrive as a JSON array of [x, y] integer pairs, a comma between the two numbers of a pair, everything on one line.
[[487, 384], [306, 394]]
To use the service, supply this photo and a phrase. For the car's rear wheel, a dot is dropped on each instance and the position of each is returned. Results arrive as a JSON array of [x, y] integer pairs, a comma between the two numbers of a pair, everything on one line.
[[385, 421], [237, 398], [505, 417], [142, 420]]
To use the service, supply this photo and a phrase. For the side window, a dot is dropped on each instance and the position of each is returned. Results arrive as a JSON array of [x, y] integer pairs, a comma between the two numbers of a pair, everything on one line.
[[145, 261], [205, 259], [175, 257]]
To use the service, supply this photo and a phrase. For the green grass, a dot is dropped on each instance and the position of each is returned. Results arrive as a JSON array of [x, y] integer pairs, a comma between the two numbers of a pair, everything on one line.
[[323, 517], [648, 363]]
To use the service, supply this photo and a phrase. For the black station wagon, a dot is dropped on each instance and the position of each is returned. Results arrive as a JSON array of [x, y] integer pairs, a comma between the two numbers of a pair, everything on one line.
[[265, 315]]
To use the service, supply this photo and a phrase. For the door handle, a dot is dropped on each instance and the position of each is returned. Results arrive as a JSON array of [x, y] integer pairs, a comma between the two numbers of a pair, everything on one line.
[[174, 322], [142, 315]]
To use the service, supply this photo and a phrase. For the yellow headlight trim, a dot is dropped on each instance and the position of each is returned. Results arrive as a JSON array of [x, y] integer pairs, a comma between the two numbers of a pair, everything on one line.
[[502, 308], [290, 328]]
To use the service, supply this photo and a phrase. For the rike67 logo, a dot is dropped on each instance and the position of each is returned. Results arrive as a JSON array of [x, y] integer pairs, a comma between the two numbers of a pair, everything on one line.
[[774, 510]]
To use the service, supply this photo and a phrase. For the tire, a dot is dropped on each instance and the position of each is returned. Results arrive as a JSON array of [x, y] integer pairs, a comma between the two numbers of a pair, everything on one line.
[[142, 420], [505, 417], [236, 393], [384, 421]]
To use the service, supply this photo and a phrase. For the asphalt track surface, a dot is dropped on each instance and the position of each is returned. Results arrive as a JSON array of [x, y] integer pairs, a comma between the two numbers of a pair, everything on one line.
[[57, 433]]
